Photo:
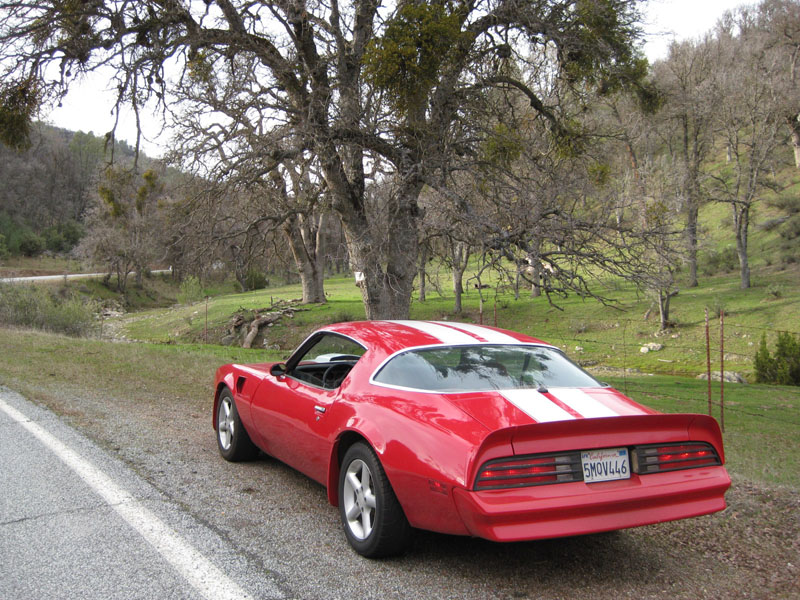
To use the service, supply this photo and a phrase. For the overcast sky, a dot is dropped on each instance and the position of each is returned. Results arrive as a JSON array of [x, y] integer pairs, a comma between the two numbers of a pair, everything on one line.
[[88, 106]]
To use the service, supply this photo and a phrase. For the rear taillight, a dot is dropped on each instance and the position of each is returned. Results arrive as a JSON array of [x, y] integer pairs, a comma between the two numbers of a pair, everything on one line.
[[658, 458], [524, 471]]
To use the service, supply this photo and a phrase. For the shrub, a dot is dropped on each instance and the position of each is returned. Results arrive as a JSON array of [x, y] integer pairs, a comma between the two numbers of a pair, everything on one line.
[[54, 241], [774, 291], [37, 308], [72, 232], [255, 279], [191, 290], [31, 244], [782, 368], [722, 261], [3, 248]]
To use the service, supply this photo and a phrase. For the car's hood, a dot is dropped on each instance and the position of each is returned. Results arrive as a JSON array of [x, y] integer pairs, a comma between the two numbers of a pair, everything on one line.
[[509, 408]]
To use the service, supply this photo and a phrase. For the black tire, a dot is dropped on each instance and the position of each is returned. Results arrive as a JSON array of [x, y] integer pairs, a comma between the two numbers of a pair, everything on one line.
[[233, 441], [376, 525]]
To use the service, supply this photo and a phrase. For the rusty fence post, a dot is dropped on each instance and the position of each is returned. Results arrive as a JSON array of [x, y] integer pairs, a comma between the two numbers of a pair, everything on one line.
[[708, 366], [722, 370]]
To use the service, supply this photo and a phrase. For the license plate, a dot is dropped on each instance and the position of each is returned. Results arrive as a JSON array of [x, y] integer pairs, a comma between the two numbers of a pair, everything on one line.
[[605, 465]]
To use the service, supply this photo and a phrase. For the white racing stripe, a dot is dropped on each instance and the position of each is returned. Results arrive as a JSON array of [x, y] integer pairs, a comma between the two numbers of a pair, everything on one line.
[[537, 406], [446, 335], [582, 403], [195, 568], [490, 335]]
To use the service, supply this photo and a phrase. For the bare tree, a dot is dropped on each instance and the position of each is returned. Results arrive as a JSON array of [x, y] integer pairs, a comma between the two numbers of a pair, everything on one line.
[[124, 223], [750, 122], [686, 123], [777, 22]]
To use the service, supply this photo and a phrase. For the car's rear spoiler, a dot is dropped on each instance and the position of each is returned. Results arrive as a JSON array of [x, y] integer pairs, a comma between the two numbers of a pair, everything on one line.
[[605, 432]]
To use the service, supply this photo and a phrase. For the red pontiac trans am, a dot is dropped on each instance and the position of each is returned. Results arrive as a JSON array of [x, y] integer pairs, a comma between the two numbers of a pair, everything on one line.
[[469, 430]]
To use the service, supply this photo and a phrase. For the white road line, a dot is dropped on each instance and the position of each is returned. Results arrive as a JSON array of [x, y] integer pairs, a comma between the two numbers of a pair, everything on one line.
[[195, 568]]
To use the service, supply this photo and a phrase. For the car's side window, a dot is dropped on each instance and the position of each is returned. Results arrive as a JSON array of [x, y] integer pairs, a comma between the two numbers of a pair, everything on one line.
[[327, 361]]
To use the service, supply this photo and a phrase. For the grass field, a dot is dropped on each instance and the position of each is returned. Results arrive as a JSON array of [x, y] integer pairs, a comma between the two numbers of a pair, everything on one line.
[[590, 332], [21, 266]]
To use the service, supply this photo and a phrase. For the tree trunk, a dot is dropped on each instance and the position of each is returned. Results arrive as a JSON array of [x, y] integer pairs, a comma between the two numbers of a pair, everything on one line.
[[389, 265], [421, 272], [691, 239], [308, 256], [458, 290], [794, 128], [664, 297], [663, 309], [459, 255], [741, 222], [536, 276]]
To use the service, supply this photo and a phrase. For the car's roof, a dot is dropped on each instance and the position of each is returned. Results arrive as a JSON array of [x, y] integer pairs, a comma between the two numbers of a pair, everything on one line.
[[389, 337]]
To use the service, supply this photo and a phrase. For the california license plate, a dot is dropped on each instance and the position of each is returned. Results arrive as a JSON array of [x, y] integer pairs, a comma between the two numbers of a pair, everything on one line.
[[605, 465]]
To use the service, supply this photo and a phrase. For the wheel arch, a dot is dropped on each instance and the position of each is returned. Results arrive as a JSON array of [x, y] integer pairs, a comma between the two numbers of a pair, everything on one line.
[[343, 442], [226, 382]]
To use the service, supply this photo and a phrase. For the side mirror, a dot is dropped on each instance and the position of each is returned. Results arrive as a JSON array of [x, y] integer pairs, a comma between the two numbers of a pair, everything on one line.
[[277, 370]]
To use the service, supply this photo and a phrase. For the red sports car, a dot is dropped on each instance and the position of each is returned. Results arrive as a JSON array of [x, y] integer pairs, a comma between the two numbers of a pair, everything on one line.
[[465, 429]]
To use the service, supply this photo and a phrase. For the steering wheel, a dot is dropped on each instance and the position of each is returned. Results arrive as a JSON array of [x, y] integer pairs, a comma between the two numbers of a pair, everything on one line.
[[334, 374]]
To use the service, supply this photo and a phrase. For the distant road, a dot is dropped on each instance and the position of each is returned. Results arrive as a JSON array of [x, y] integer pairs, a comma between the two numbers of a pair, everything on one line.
[[45, 278]]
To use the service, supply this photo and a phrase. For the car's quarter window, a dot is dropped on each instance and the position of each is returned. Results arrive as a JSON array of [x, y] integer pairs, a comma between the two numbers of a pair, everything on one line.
[[327, 361], [482, 367], [331, 347]]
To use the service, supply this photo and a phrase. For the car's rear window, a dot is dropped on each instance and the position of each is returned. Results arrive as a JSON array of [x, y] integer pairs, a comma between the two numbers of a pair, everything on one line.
[[482, 367]]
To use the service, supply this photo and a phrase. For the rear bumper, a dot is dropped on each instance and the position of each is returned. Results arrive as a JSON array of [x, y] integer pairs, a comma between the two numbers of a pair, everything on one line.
[[578, 508]]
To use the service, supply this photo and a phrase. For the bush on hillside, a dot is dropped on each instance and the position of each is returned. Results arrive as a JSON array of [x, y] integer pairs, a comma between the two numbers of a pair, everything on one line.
[[54, 241], [782, 368], [37, 308], [191, 290], [255, 279], [713, 262], [4, 253], [31, 244]]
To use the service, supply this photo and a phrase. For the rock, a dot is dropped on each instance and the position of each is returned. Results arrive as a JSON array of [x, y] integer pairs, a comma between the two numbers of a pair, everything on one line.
[[651, 347], [578, 348], [228, 340], [730, 377]]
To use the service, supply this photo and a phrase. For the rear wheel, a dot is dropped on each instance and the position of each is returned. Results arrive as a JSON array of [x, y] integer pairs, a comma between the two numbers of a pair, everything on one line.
[[373, 519], [232, 439]]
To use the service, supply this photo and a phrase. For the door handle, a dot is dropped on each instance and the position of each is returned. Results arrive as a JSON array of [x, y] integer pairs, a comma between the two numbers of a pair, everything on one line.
[[319, 409]]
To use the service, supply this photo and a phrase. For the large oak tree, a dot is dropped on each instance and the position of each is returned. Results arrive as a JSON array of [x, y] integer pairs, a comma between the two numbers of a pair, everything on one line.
[[355, 84]]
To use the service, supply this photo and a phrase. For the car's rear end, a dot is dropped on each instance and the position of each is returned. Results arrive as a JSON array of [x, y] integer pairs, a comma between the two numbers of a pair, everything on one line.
[[583, 476]]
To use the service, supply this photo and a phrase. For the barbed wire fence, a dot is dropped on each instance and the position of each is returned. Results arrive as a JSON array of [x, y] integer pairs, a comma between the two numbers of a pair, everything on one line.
[[723, 343]]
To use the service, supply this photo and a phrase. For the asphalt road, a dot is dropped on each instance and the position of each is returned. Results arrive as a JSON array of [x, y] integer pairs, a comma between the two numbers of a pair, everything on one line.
[[77, 523], [65, 277]]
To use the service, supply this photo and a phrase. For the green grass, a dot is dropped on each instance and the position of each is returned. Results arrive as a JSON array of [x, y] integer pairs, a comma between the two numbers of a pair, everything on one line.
[[19, 266], [37, 362], [610, 336], [761, 422]]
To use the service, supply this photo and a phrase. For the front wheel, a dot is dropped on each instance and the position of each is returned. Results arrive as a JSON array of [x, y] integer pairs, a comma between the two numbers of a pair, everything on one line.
[[232, 439], [373, 519]]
